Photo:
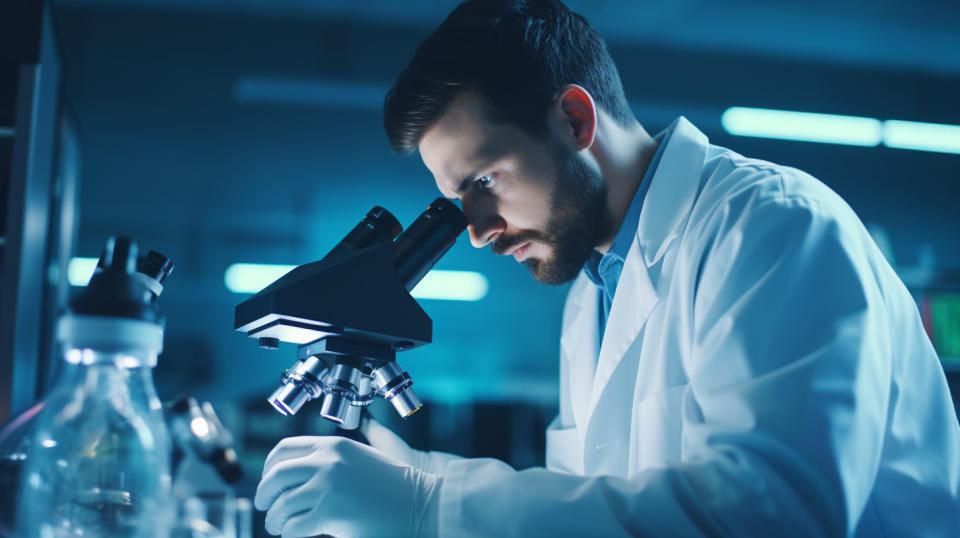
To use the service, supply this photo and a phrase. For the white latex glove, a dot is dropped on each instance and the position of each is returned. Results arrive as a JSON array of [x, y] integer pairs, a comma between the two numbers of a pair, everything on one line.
[[332, 485], [383, 439]]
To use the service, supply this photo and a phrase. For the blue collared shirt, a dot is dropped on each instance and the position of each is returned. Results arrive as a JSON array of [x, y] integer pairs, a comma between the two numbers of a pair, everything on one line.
[[604, 271]]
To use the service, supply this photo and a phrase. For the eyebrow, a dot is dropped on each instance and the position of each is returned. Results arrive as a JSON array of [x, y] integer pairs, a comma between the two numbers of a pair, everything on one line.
[[471, 177], [465, 183]]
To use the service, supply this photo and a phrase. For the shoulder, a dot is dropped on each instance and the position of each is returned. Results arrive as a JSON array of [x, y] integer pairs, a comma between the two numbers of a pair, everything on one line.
[[736, 191]]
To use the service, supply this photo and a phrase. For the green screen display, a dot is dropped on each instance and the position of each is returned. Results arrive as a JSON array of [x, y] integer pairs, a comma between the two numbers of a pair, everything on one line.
[[945, 325]]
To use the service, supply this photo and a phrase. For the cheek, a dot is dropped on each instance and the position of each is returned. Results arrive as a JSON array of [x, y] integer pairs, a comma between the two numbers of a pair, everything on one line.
[[527, 194], [527, 206], [540, 251]]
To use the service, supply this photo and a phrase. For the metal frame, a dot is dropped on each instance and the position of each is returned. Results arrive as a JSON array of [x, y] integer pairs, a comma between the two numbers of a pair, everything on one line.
[[24, 249]]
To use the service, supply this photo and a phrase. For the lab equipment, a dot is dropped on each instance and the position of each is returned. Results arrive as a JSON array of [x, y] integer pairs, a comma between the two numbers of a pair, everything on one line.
[[197, 432], [98, 463], [350, 312]]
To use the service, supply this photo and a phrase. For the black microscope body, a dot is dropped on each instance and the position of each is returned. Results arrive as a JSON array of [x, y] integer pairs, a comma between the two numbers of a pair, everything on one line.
[[350, 312]]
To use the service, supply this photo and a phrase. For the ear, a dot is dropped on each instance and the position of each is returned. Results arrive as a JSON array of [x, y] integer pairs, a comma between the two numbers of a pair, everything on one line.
[[576, 116]]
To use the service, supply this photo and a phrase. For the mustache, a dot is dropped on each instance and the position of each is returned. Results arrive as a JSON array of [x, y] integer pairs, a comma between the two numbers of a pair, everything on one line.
[[503, 244]]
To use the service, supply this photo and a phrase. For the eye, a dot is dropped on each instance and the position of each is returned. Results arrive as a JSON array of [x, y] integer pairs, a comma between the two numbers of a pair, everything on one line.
[[486, 182]]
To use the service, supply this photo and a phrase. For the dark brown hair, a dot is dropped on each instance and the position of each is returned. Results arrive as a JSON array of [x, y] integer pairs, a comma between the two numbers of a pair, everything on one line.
[[517, 54]]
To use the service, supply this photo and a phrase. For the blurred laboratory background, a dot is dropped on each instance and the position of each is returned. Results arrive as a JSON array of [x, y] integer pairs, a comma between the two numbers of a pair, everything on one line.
[[242, 137]]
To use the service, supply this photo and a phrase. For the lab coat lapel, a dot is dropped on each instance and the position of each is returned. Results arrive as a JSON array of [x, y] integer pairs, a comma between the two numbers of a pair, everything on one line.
[[632, 304], [579, 345]]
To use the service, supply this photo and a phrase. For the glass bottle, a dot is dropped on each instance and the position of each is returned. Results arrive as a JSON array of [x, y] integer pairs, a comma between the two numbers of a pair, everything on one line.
[[98, 462]]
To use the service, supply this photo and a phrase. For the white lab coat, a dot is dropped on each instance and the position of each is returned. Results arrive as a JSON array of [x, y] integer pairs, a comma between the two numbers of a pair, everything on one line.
[[763, 373]]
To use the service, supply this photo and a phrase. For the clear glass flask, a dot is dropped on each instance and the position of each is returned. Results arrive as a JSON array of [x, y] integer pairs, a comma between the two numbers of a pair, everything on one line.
[[98, 462]]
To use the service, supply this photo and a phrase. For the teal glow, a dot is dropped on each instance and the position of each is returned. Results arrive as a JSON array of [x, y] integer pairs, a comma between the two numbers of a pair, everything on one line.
[[440, 285], [79, 270], [921, 136], [803, 126], [452, 286], [253, 277]]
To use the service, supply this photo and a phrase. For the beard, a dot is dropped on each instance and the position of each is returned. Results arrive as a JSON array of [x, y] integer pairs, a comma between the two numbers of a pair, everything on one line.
[[579, 221]]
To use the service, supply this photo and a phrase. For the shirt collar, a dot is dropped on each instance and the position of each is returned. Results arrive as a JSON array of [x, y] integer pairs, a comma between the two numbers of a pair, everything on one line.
[[628, 228]]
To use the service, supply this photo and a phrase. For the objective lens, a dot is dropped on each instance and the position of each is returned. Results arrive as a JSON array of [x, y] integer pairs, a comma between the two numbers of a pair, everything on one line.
[[406, 402], [334, 407], [288, 398], [351, 417], [426, 240], [299, 384], [348, 390], [394, 385]]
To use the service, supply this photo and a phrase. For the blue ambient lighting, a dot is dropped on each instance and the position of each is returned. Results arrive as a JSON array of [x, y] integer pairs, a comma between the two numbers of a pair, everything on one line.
[[441, 285], [803, 126], [79, 270], [253, 277], [921, 136], [452, 286]]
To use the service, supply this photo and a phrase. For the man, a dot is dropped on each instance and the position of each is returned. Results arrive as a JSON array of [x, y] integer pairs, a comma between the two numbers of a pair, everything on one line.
[[737, 357]]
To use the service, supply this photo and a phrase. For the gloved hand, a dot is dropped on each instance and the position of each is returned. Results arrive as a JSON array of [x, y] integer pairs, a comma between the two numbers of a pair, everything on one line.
[[332, 485], [383, 439]]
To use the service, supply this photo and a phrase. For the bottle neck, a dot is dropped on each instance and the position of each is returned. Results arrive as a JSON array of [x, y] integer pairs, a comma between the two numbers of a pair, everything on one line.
[[123, 377], [129, 359]]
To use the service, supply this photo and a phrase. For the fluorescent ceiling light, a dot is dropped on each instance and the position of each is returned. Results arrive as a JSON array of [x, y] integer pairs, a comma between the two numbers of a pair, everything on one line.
[[921, 136], [441, 285], [452, 286], [79, 270], [253, 277], [803, 126]]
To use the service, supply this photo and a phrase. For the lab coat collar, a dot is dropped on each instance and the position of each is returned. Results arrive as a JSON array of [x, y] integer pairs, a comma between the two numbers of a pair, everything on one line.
[[673, 189]]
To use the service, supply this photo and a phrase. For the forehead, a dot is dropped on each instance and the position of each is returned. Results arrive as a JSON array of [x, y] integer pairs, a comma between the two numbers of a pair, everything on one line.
[[462, 139]]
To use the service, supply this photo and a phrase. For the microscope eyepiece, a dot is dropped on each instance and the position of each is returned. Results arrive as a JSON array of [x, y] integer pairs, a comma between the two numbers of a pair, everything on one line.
[[427, 240], [377, 227]]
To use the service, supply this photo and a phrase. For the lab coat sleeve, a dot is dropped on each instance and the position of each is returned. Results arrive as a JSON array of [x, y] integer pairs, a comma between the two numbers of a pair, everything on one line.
[[783, 415]]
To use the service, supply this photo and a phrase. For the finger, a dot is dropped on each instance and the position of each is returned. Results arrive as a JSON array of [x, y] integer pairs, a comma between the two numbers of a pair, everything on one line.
[[383, 439], [286, 475], [290, 503], [365, 422], [291, 447]]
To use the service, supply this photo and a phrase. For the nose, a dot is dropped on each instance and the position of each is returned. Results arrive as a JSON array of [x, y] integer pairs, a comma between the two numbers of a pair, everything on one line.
[[483, 224]]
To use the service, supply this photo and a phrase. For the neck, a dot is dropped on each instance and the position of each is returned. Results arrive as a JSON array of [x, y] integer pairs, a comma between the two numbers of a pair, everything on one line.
[[623, 155]]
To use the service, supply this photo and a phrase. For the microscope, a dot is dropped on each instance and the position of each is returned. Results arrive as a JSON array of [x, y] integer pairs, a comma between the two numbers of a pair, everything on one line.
[[351, 312]]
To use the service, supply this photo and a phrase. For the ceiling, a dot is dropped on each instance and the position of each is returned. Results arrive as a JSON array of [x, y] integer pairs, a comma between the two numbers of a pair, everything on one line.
[[918, 35]]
